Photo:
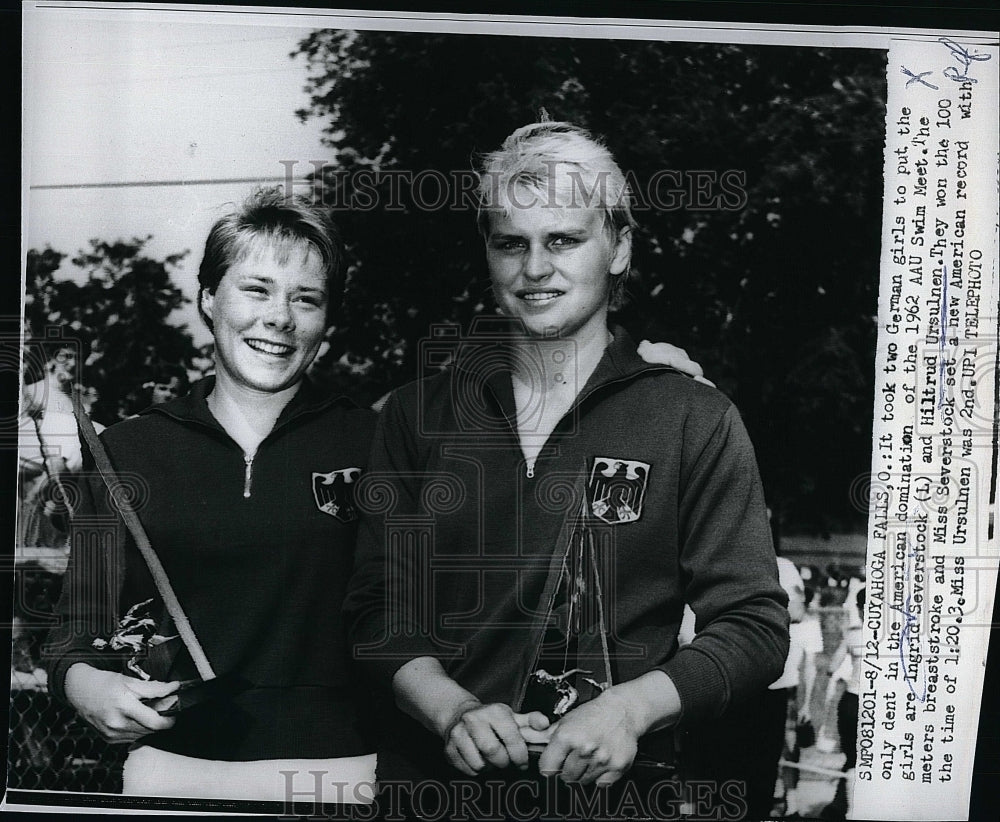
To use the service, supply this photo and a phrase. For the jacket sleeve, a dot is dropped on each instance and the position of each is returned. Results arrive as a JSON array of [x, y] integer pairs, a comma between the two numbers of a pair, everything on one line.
[[384, 602], [88, 603], [731, 577]]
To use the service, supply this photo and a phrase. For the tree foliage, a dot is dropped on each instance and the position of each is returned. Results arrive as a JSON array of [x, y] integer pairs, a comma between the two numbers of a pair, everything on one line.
[[118, 313], [774, 294]]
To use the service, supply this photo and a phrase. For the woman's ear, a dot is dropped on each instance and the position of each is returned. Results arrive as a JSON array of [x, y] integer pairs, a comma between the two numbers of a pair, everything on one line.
[[622, 255], [206, 303]]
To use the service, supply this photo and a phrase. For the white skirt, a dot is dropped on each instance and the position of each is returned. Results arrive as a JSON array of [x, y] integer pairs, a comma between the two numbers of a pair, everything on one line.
[[348, 780]]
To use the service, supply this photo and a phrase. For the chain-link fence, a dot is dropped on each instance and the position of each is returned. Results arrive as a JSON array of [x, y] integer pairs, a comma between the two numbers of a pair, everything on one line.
[[49, 746]]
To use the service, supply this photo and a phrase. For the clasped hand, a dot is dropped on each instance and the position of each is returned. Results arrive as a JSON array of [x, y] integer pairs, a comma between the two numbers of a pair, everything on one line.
[[492, 735], [595, 743]]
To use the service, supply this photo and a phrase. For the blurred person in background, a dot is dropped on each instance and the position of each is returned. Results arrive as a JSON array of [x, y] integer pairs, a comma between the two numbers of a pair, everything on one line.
[[805, 643], [849, 653], [171, 382], [89, 396], [48, 447]]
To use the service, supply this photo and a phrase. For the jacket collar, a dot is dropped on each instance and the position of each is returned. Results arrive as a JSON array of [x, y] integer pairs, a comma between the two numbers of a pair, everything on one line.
[[620, 362], [193, 407]]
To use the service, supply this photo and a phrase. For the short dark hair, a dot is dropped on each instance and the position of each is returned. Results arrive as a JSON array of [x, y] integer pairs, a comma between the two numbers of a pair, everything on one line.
[[166, 371], [51, 349], [283, 220]]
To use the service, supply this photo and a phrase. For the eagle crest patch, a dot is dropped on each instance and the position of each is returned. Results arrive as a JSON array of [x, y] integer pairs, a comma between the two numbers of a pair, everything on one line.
[[616, 489], [334, 493]]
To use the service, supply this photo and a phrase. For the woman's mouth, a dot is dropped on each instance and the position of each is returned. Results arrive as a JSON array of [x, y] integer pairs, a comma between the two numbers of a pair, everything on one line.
[[539, 297], [274, 349]]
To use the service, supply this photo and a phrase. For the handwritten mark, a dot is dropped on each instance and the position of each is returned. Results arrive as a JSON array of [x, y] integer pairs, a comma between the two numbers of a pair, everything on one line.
[[917, 78], [965, 58], [943, 336]]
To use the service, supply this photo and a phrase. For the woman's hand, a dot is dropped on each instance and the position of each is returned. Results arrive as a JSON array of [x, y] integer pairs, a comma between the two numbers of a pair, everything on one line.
[[663, 353], [596, 742], [113, 703], [482, 735], [475, 735]]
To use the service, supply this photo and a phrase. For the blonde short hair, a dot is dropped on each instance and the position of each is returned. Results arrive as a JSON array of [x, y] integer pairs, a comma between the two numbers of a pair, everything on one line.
[[558, 163]]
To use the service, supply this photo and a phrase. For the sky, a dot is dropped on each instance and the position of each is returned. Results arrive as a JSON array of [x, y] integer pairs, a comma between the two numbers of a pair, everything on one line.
[[139, 98]]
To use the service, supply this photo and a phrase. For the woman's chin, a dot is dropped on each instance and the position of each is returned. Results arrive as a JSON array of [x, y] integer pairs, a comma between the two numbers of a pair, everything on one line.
[[539, 327], [266, 381]]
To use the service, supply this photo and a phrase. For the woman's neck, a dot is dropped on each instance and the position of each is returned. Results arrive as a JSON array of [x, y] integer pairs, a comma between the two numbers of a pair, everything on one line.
[[559, 365], [548, 375], [248, 416]]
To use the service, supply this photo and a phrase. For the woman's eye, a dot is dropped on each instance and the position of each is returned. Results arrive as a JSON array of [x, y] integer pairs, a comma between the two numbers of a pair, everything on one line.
[[509, 245], [565, 242], [315, 302]]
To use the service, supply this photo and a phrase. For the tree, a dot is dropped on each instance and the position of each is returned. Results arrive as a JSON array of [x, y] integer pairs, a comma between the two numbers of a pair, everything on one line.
[[772, 285], [118, 315]]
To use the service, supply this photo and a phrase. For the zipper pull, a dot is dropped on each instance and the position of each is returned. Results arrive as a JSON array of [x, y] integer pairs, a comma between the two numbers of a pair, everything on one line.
[[529, 468], [247, 474]]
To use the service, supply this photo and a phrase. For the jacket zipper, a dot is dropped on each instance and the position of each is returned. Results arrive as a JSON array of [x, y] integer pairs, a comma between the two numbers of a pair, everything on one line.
[[247, 474], [249, 458], [529, 465]]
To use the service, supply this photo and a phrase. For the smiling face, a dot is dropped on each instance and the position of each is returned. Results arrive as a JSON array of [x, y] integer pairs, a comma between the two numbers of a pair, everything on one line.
[[551, 267], [268, 318]]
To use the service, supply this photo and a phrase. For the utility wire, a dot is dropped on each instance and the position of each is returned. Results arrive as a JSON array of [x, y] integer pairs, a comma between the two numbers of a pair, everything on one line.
[[155, 183]]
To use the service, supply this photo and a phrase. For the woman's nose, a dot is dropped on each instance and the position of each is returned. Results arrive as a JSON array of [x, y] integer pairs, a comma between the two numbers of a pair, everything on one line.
[[538, 264], [279, 315]]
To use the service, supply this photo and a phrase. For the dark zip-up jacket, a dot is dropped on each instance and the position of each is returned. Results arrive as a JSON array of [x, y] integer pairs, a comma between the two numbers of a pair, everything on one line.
[[258, 566], [460, 532]]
